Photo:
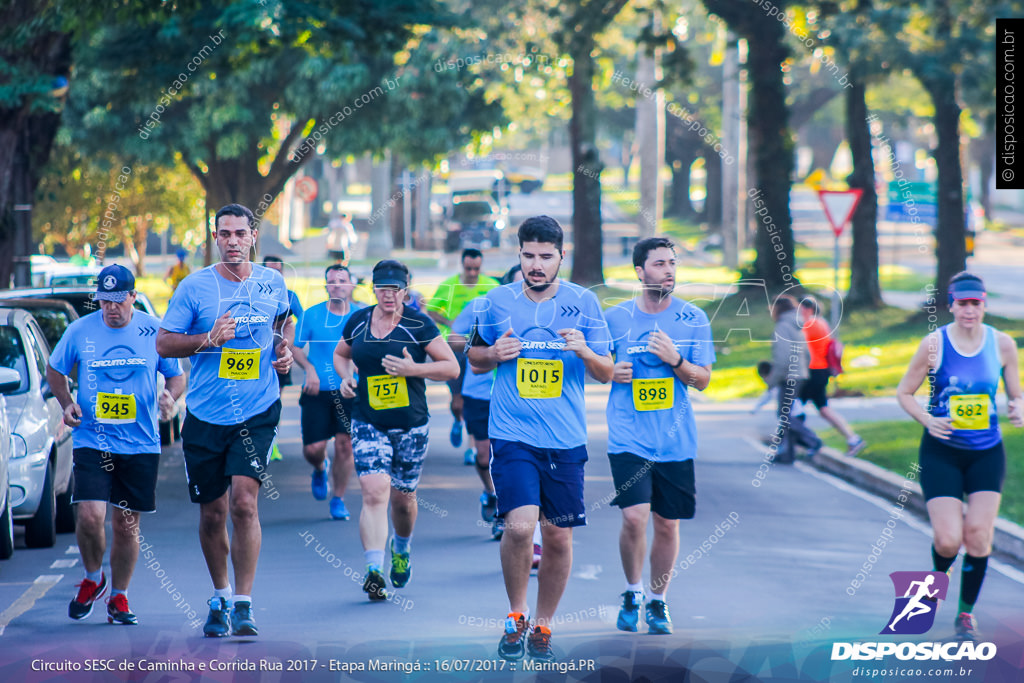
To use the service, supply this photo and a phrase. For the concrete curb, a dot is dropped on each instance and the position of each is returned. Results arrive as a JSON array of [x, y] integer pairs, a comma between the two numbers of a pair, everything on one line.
[[1009, 537]]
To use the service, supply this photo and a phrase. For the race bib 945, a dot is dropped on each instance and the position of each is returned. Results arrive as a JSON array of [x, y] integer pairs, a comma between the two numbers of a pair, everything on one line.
[[115, 408]]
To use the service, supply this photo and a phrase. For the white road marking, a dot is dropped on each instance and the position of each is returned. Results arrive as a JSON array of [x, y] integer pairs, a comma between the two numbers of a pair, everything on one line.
[[24, 603], [1006, 570]]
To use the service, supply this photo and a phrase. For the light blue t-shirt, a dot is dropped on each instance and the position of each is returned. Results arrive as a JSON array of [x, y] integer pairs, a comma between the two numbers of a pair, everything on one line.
[[231, 383], [115, 361], [321, 330], [658, 434], [557, 422], [473, 385]]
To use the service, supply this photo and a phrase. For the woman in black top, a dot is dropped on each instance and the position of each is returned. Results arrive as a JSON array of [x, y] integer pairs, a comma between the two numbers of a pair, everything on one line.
[[394, 349]]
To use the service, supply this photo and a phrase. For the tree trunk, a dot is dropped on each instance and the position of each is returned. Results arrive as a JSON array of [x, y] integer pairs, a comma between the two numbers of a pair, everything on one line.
[[773, 151], [587, 262], [713, 202], [679, 201], [379, 243], [26, 138], [864, 288], [951, 251], [985, 157]]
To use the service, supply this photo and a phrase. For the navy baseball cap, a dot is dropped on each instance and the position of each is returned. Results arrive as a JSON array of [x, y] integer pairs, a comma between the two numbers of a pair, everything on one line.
[[967, 288], [114, 283], [390, 273]]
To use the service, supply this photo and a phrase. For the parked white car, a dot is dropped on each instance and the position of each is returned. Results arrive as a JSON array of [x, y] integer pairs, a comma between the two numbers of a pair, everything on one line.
[[9, 380], [40, 466]]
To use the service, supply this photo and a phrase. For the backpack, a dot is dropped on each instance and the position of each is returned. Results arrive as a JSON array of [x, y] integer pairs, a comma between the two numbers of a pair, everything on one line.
[[834, 356]]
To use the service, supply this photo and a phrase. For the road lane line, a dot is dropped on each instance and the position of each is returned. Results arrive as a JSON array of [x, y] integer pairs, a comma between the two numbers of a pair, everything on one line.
[[38, 589]]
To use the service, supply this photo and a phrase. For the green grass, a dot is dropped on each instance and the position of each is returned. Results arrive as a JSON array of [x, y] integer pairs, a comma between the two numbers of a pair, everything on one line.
[[892, 444]]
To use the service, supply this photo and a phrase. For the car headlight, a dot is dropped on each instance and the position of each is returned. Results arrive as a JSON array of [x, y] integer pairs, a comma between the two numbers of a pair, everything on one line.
[[499, 225], [20, 447]]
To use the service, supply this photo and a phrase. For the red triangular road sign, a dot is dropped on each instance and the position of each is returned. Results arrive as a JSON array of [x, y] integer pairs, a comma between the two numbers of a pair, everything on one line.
[[839, 206]]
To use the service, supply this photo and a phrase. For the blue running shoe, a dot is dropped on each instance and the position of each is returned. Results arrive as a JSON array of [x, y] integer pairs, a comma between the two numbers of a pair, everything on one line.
[[469, 457], [338, 509], [218, 623], [456, 434], [658, 620], [319, 484], [629, 613], [242, 623], [488, 506]]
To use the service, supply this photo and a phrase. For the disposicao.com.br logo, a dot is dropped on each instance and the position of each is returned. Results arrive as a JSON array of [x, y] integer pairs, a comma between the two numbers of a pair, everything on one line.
[[913, 613]]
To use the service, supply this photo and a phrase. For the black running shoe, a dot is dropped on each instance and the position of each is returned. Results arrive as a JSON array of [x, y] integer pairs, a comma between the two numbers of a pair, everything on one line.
[[512, 645], [88, 593], [118, 612], [218, 623], [374, 584], [538, 645], [242, 623]]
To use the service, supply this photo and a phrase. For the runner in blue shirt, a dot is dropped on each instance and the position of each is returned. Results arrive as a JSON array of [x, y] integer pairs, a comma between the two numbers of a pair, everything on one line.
[[117, 445], [543, 335], [233, 319], [476, 409], [662, 347], [284, 379], [325, 412], [961, 453]]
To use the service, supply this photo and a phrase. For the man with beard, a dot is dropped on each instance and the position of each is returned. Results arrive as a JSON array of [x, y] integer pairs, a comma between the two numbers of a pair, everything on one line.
[[662, 346], [543, 335]]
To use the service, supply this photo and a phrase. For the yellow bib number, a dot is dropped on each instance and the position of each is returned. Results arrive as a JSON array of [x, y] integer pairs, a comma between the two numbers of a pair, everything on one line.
[[115, 408], [539, 378], [387, 392], [239, 364], [653, 394], [969, 411]]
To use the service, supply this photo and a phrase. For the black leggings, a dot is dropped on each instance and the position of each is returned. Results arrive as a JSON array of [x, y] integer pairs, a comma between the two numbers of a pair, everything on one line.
[[950, 471]]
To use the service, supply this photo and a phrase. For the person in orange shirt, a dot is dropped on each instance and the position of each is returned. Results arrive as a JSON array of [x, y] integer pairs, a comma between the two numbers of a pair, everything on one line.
[[815, 389]]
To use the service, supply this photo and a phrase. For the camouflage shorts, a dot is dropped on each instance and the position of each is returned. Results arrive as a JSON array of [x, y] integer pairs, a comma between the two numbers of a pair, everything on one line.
[[396, 452]]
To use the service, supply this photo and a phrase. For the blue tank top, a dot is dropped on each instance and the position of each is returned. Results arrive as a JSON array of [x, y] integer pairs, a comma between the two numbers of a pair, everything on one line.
[[964, 388]]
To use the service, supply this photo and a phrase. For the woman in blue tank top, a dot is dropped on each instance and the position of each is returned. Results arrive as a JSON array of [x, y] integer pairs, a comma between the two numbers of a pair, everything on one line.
[[961, 450]]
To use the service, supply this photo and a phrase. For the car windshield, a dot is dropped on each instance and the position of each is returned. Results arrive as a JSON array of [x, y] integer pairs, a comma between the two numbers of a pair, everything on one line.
[[471, 211], [12, 355], [52, 322]]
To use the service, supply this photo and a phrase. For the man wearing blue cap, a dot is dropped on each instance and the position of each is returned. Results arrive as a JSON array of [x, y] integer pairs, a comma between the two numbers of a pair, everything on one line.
[[233, 318], [117, 444]]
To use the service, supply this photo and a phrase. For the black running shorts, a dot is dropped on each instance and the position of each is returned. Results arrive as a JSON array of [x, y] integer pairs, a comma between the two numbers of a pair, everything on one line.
[[215, 453]]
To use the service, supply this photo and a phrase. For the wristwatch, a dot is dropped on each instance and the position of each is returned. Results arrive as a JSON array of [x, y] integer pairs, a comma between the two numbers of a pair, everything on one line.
[[681, 359]]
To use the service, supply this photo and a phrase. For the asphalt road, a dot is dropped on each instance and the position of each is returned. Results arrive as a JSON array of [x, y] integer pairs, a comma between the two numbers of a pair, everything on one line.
[[767, 596]]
